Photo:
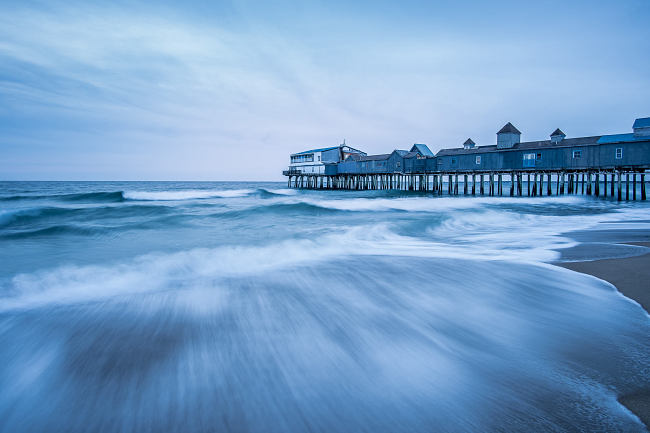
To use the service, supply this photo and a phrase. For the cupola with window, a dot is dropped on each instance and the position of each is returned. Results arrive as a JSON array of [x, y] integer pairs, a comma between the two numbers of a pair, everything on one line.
[[557, 136]]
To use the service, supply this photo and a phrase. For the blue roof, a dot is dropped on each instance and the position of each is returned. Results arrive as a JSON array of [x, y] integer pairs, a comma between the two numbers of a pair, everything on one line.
[[643, 122], [323, 149], [619, 138], [423, 149]]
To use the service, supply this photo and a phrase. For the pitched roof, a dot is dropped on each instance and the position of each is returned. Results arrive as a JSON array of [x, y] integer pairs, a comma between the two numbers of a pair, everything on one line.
[[462, 151], [509, 128], [422, 148], [469, 142], [643, 122], [374, 157], [528, 145], [400, 152], [411, 155], [323, 149], [350, 149], [621, 138], [558, 131]]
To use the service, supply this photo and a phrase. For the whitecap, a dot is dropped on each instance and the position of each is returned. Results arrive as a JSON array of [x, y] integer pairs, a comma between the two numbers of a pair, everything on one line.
[[185, 194]]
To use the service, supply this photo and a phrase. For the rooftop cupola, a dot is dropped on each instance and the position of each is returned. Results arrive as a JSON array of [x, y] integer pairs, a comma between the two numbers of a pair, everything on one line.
[[641, 127], [508, 136], [557, 136], [469, 144]]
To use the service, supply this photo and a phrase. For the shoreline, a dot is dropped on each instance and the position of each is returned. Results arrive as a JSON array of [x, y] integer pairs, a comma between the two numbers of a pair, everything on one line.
[[631, 277], [627, 274]]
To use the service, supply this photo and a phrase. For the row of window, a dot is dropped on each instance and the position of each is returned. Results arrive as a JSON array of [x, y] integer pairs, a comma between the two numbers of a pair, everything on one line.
[[376, 164], [619, 153], [530, 158], [309, 157], [454, 161], [310, 169]]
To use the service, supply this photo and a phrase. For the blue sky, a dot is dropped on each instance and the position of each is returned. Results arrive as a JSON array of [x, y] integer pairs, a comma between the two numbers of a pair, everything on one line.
[[226, 90]]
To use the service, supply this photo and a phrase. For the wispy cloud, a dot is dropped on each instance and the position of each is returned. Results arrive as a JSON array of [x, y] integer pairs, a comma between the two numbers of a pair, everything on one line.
[[142, 92]]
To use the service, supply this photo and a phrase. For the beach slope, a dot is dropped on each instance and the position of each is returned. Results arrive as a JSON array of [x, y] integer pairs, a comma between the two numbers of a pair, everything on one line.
[[631, 276]]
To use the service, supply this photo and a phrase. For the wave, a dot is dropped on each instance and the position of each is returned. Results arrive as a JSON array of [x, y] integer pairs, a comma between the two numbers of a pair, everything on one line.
[[434, 204], [32, 216], [437, 205], [295, 208], [205, 194], [110, 196], [56, 230], [271, 193], [73, 284], [185, 194], [119, 196]]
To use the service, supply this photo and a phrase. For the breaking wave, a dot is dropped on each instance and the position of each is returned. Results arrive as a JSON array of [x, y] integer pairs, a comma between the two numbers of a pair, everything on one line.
[[72, 284], [185, 195], [169, 195], [205, 194]]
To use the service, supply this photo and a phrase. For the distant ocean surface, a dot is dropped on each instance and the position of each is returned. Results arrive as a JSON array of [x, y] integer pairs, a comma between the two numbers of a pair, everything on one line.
[[207, 307]]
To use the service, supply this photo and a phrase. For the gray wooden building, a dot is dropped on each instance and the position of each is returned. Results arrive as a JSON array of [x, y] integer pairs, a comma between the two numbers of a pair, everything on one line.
[[565, 159]]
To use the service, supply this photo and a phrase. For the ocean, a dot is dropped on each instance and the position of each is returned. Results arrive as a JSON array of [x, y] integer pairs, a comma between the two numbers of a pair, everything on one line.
[[242, 306]]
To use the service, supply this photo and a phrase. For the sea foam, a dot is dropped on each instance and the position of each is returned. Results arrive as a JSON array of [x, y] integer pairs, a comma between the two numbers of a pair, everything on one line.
[[185, 195]]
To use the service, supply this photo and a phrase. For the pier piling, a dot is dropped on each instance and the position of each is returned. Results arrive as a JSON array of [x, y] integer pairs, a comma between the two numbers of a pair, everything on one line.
[[621, 183]]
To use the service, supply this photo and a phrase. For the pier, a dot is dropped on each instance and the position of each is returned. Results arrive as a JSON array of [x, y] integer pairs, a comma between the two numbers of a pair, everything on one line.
[[613, 166]]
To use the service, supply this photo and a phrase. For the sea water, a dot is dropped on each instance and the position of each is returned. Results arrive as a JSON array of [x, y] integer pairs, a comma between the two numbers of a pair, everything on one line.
[[201, 307]]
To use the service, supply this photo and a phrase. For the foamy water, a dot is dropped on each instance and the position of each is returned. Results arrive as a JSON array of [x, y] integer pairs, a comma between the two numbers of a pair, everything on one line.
[[185, 194], [251, 307]]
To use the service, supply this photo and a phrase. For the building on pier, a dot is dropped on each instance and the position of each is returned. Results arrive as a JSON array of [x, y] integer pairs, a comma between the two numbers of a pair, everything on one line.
[[321, 161], [545, 154], [627, 151], [363, 164], [557, 153]]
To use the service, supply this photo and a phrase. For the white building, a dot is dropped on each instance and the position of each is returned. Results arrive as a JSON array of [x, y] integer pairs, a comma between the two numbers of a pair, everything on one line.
[[317, 160]]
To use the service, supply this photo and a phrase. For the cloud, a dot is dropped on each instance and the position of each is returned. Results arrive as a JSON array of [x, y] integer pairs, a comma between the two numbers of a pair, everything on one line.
[[160, 92]]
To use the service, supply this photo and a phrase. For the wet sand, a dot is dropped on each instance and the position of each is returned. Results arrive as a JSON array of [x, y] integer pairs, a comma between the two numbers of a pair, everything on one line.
[[631, 276]]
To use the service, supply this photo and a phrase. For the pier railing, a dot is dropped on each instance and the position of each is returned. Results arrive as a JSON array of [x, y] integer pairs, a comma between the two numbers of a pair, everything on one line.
[[291, 172]]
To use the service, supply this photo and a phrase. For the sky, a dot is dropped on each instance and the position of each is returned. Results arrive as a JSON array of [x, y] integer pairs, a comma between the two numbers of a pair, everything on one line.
[[226, 90]]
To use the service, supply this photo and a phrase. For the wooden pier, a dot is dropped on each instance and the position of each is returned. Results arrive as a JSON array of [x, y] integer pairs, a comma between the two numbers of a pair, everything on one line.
[[619, 184]]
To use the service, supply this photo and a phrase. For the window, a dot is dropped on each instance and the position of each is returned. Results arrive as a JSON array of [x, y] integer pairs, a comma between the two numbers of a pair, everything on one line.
[[302, 158], [619, 153], [398, 164], [539, 156], [478, 160], [319, 157], [577, 154], [529, 159], [454, 162]]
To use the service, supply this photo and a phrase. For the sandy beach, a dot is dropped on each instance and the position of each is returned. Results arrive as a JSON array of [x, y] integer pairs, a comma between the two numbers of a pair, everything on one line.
[[631, 276]]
